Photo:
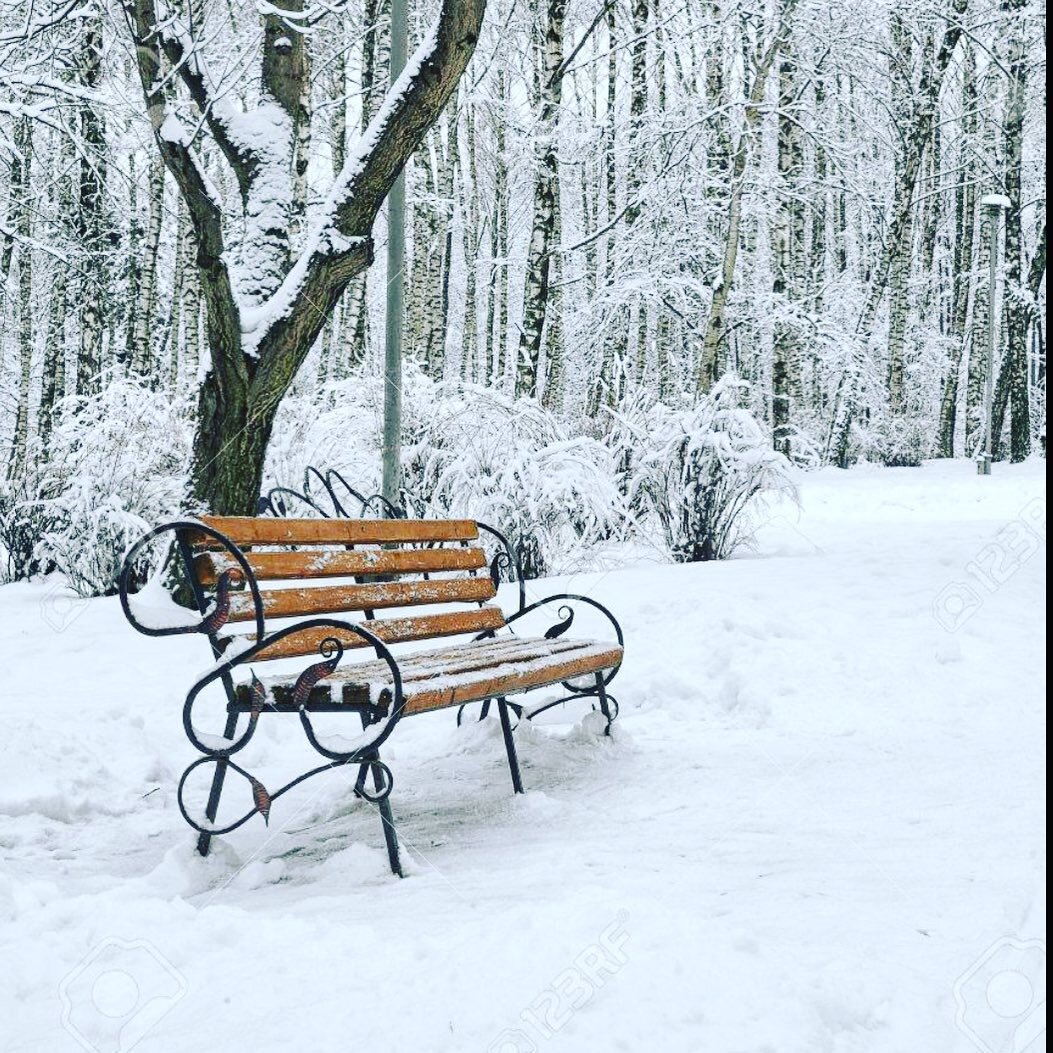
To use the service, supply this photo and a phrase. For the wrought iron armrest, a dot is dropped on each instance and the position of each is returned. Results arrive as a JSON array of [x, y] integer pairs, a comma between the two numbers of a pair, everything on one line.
[[331, 650], [506, 559], [214, 613], [566, 614], [598, 688], [363, 753]]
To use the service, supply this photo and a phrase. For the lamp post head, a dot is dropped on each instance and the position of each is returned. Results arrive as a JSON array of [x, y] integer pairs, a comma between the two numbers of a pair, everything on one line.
[[995, 201]]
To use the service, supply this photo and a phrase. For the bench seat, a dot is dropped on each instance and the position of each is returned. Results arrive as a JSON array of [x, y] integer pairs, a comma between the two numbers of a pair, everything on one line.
[[448, 676]]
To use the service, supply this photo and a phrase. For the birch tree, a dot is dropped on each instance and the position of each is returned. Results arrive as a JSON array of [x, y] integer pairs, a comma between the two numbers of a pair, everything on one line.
[[546, 202]]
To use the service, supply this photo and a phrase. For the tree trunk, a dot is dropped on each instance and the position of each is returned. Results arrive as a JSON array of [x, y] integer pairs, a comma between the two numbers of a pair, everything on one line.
[[788, 251], [638, 160], [965, 228], [179, 275], [146, 302], [603, 389], [302, 115], [254, 359], [421, 194], [546, 202], [21, 180], [498, 317], [816, 275], [1017, 312], [977, 376], [376, 47], [190, 294], [450, 176], [610, 172], [91, 205], [53, 382], [716, 323], [555, 367], [470, 233], [898, 311]]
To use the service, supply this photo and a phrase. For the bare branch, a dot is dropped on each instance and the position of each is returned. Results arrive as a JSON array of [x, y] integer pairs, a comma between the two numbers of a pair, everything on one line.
[[341, 245], [205, 213]]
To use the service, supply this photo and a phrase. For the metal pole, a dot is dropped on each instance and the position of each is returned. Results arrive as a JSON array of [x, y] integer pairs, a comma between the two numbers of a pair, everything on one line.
[[994, 203], [395, 309]]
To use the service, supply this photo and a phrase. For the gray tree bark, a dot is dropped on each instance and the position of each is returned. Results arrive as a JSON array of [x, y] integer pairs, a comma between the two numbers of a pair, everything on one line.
[[546, 203], [91, 209], [965, 227], [21, 181], [788, 250], [141, 362]]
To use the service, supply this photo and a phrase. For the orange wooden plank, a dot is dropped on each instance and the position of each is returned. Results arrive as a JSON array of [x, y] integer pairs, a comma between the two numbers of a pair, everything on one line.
[[341, 563], [390, 630], [262, 530], [329, 599]]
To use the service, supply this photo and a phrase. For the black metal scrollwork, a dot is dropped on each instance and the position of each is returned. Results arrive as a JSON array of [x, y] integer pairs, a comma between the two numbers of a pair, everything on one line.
[[566, 615], [214, 613], [332, 650], [383, 780], [330, 503], [595, 685]]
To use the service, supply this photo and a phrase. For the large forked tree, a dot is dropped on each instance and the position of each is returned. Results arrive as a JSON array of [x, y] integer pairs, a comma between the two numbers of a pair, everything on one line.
[[266, 304]]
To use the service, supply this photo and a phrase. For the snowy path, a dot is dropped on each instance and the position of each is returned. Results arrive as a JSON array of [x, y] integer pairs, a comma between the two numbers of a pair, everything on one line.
[[821, 809]]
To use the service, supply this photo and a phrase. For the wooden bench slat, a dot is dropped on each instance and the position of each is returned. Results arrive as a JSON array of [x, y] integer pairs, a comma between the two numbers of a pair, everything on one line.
[[509, 680], [290, 566], [453, 676], [390, 630], [330, 599], [252, 530]]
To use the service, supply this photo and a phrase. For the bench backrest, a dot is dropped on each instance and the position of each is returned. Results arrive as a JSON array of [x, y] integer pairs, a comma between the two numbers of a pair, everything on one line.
[[351, 568]]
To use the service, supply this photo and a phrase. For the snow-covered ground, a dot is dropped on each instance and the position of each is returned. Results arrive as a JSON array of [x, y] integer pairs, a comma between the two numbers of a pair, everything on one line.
[[820, 826]]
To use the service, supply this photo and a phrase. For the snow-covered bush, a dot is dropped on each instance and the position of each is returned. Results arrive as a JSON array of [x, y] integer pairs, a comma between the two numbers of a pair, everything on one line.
[[118, 466], [904, 442], [703, 471], [339, 428], [466, 451], [475, 452], [24, 517]]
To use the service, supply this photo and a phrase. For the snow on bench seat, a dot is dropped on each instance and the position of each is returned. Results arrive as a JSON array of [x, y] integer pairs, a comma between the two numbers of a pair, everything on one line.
[[452, 676]]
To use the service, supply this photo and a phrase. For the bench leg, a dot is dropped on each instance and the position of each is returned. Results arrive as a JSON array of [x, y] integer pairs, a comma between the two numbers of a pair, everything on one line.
[[212, 808], [510, 745], [390, 837], [605, 709], [383, 803]]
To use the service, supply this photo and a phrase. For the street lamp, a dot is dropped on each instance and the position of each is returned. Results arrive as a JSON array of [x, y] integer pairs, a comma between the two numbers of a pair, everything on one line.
[[395, 305], [995, 204]]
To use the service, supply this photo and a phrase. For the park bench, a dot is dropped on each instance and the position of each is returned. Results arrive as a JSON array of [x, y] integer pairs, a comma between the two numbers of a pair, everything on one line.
[[338, 585]]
